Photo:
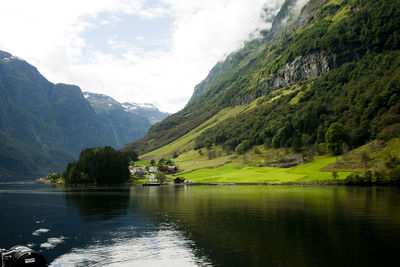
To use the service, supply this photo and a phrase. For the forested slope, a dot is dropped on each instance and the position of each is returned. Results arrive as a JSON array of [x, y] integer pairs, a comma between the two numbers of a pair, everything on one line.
[[334, 62]]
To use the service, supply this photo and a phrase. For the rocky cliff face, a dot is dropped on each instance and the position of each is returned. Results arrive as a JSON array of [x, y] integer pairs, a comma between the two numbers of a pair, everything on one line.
[[302, 67]]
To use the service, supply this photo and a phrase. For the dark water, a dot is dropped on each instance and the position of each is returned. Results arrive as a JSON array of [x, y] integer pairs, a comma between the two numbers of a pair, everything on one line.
[[203, 225]]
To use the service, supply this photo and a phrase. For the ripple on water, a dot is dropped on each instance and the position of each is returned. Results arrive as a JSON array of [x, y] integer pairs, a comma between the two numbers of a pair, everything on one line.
[[167, 247]]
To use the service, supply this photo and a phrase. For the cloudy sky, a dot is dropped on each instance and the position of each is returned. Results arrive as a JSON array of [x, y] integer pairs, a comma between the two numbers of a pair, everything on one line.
[[152, 51]]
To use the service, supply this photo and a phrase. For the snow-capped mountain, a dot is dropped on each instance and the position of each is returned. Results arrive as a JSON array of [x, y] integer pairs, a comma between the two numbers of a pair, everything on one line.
[[131, 106], [103, 103], [151, 112]]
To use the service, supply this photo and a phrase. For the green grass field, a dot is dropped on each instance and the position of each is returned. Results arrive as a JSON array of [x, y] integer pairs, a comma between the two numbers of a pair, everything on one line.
[[237, 173], [246, 168]]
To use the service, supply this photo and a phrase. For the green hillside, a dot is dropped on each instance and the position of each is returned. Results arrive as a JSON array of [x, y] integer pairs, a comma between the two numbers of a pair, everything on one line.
[[335, 61], [333, 65]]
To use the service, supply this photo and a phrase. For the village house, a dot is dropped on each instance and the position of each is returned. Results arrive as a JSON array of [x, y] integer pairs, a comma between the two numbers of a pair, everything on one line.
[[138, 171], [170, 169], [179, 180], [131, 169], [153, 169]]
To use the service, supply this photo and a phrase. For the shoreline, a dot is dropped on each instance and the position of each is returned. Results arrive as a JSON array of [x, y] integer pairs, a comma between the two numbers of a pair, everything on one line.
[[44, 181]]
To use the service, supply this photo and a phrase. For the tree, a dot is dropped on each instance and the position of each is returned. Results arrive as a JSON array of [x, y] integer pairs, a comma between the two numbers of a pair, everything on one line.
[[162, 165], [335, 137], [211, 154], [296, 142], [243, 147], [365, 159], [161, 177], [99, 165], [132, 155]]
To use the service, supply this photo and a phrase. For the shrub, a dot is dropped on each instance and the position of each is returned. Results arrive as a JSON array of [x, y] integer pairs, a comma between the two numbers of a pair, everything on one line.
[[243, 147], [211, 154], [335, 137], [335, 175]]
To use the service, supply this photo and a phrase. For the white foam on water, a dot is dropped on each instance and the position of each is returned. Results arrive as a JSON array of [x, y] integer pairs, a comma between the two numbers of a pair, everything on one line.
[[40, 231], [53, 242]]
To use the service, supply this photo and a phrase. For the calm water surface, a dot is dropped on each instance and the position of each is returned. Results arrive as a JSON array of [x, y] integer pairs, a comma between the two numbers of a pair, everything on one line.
[[203, 225]]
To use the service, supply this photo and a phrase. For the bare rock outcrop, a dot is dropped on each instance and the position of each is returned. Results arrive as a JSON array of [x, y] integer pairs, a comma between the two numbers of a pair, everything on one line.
[[302, 67]]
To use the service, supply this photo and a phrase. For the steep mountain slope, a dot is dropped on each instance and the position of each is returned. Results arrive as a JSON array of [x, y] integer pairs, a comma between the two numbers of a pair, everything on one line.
[[124, 124], [335, 61], [44, 125]]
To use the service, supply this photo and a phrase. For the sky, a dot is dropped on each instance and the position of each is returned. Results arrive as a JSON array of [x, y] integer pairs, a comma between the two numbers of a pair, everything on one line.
[[152, 51]]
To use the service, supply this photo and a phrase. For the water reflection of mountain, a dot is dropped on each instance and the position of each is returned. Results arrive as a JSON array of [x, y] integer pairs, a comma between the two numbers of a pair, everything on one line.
[[97, 204], [255, 225], [282, 226]]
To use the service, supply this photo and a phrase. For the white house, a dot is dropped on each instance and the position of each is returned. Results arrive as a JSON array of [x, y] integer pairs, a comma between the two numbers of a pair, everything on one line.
[[132, 169], [152, 178], [138, 171], [153, 169]]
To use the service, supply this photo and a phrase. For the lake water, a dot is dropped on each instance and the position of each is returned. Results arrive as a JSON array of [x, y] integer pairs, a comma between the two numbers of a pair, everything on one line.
[[203, 225]]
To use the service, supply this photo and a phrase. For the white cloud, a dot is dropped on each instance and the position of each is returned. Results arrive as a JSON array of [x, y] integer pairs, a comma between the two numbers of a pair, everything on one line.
[[300, 3], [50, 35]]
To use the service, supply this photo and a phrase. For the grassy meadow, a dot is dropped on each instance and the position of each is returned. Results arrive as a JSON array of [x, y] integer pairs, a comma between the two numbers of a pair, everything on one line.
[[237, 173]]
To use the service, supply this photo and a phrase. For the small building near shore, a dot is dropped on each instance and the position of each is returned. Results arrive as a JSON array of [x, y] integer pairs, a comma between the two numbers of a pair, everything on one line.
[[170, 169], [179, 180]]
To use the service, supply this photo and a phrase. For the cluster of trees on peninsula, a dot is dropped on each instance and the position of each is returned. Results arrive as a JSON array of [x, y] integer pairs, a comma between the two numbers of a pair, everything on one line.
[[103, 165]]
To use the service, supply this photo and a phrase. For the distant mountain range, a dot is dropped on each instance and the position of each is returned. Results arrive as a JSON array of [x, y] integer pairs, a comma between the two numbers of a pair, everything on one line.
[[44, 125]]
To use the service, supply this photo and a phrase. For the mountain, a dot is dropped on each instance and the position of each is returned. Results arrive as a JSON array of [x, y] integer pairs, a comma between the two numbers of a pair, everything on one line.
[[147, 110], [103, 104], [124, 124], [44, 125], [332, 61]]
